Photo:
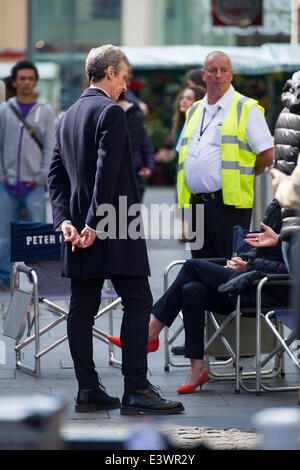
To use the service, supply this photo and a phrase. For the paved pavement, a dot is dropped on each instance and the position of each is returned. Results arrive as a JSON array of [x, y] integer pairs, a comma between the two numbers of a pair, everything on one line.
[[215, 416]]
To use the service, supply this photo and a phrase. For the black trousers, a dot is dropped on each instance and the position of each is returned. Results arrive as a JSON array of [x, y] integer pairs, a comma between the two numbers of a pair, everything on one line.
[[219, 220], [194, 291], [84, 305]]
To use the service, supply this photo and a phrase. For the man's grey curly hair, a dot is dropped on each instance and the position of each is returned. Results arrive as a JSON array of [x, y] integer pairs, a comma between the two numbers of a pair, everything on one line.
[[100, 58]]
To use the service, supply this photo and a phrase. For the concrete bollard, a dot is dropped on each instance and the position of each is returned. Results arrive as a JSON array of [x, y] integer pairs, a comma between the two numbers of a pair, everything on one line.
[[279, 428], [31, 422]]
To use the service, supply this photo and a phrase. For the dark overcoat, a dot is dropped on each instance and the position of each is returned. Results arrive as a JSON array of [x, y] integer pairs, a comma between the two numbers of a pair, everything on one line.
[[91, 167]]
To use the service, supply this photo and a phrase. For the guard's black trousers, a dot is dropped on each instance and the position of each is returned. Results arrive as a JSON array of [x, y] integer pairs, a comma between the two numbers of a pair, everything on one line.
[[219, 220]]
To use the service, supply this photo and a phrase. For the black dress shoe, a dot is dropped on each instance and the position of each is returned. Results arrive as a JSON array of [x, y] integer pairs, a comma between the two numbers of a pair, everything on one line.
[[178, 350], [95, 399], [148, 401]]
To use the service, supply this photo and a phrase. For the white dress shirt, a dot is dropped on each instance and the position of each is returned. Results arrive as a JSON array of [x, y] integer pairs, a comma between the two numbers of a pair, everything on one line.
[[203, 159], [93, 86]]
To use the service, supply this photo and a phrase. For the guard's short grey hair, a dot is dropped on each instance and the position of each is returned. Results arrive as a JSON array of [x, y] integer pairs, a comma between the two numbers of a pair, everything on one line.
[[100, 58], [215, 53]]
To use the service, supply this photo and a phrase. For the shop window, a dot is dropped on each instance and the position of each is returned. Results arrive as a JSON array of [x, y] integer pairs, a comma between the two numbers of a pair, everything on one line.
[[106, 9]]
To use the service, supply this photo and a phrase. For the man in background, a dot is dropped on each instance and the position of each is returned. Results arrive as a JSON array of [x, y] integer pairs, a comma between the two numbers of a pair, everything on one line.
[[225, 142], [26, 145]]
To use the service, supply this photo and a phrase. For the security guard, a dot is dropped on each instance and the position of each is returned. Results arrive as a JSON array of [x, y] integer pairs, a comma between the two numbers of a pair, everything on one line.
[[225, 142]]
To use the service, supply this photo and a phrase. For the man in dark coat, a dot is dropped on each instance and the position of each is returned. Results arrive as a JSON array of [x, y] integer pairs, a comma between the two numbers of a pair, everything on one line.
[[92, 175]]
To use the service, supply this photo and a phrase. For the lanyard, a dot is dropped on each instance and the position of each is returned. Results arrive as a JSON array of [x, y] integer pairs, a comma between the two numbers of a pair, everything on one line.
[[211, 119]]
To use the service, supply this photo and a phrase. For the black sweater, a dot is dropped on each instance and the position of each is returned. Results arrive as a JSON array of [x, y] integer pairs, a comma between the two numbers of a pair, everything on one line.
[[268, 259]]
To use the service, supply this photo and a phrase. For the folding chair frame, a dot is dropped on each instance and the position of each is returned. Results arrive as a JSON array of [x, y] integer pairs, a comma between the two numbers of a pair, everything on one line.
[[282, 344], [234, 355], [16, 269], [168, 341], [211, 317]]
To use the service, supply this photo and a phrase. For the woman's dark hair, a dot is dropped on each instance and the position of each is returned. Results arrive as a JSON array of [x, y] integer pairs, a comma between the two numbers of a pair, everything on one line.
[[194, 76], [178, 118], [9, 88]]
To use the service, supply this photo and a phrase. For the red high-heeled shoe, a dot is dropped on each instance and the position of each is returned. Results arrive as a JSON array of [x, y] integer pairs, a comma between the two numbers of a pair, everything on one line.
[[191, 388], [152, 345]]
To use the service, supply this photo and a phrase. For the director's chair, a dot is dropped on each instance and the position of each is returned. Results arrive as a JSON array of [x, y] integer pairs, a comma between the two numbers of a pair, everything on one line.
[[36, 282], [230, 338]]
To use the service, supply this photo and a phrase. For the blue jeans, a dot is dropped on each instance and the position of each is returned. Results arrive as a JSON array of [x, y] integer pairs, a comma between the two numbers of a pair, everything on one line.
[[10, 206]]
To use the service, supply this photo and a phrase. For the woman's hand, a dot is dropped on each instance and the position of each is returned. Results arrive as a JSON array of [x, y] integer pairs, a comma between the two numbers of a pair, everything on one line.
[[278, 176], [237, 264], [262, 239]]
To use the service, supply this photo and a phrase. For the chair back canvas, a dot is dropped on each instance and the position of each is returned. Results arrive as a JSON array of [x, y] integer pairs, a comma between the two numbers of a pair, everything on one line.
[[38, 245], [34, 241]]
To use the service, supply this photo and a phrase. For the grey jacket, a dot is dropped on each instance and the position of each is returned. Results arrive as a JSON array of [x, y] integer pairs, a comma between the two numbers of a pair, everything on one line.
[[17, 147], [287, 128]]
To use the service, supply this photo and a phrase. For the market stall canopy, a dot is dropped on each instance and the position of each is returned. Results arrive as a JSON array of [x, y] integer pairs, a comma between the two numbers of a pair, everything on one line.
[[264, 59], [47, 70]]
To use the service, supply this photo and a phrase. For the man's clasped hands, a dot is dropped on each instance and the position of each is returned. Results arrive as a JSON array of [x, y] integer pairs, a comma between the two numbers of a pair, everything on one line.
[[84, 239]]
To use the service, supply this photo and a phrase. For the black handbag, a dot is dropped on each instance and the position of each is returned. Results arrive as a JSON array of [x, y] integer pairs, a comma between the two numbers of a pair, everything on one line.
[[239, 282]]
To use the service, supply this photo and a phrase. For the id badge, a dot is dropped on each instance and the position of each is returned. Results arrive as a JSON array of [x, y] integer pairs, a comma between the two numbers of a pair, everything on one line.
[[193, 151]]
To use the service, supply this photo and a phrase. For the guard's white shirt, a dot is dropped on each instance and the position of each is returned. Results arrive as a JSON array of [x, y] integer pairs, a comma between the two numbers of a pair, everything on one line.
[[203, 160]]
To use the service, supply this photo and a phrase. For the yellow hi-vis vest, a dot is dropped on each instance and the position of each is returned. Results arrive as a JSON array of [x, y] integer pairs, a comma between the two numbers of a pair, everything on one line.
[[238, 160]]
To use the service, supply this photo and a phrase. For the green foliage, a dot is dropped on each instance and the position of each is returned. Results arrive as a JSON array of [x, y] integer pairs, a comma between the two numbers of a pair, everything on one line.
[[158, 132]]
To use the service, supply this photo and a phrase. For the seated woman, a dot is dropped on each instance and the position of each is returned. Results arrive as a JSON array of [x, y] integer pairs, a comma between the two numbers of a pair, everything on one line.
[[195, 290]]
